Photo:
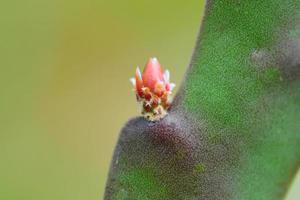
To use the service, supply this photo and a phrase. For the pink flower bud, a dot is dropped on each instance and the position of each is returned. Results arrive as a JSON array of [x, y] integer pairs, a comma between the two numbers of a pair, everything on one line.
[[153, 89], [152, 74]]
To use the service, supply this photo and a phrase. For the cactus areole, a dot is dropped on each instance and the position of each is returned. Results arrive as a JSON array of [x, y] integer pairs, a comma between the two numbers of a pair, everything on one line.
[[153, 90]]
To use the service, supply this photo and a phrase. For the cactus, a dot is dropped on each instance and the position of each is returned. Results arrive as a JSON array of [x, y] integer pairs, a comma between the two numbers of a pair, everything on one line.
[[233, 130]]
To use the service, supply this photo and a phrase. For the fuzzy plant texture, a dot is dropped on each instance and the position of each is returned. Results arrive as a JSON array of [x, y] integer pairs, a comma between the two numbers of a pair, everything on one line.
[[233, 131]]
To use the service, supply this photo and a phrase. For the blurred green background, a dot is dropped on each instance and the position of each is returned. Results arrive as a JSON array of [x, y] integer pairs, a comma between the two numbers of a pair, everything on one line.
[[65, 91]]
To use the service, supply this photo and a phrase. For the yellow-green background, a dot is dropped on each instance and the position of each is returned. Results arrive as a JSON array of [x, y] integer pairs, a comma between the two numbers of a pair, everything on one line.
[[65, 91]]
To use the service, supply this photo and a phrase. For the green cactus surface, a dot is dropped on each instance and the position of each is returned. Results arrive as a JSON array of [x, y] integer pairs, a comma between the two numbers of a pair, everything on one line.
[[233, 131]]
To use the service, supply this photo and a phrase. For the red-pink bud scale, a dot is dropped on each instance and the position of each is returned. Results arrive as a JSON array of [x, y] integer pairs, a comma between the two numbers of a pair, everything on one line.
[[153, 90]]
